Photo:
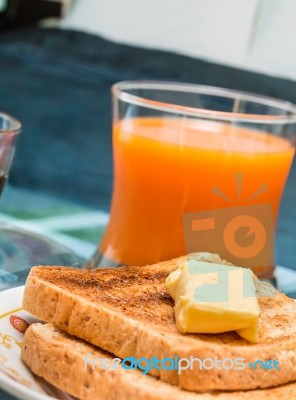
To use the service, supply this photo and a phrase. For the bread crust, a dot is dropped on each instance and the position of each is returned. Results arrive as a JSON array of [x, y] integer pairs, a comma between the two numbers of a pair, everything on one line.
[[128, 312], [58, 358]]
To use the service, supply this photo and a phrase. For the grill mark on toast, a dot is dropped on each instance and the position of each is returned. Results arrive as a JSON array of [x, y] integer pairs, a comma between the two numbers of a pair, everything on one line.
[[105, 282]]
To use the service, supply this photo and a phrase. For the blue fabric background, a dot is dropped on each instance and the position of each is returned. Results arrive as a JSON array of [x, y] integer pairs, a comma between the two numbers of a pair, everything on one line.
[[58, 82]]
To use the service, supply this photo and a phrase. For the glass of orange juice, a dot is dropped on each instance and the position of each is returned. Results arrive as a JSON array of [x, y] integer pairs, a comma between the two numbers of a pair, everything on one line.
[[194, 167]]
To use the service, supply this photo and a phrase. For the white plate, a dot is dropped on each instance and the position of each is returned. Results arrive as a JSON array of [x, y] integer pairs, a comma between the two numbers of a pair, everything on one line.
[[15, 377]]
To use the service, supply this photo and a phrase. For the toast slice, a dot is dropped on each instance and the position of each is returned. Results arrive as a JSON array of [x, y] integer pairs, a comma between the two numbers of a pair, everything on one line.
[[60, 359], [128, 312]]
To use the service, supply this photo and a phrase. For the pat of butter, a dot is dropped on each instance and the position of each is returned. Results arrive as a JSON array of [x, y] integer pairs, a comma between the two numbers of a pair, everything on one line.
[[214, 298]]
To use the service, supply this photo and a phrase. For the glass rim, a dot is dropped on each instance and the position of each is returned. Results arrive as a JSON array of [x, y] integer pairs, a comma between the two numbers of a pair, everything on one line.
[[119, 90], [15, 123]]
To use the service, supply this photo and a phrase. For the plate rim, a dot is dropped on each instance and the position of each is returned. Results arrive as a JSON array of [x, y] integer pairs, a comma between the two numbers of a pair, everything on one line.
[[9, 385]]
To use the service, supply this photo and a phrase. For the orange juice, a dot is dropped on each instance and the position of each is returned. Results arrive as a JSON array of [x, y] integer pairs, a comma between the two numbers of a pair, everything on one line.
[[165, 167]]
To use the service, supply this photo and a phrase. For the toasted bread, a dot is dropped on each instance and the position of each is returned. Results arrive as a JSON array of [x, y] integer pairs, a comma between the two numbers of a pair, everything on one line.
[[128, 311], [60, 359]]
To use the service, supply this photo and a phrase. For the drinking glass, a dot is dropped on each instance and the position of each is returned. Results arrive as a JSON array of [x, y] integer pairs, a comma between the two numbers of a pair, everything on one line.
[[9, 129], [196, 168], [21, 249]]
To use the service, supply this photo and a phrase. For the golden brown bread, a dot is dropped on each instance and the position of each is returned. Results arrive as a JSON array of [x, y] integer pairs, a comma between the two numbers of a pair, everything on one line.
[[128, 312], [59, 358]]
